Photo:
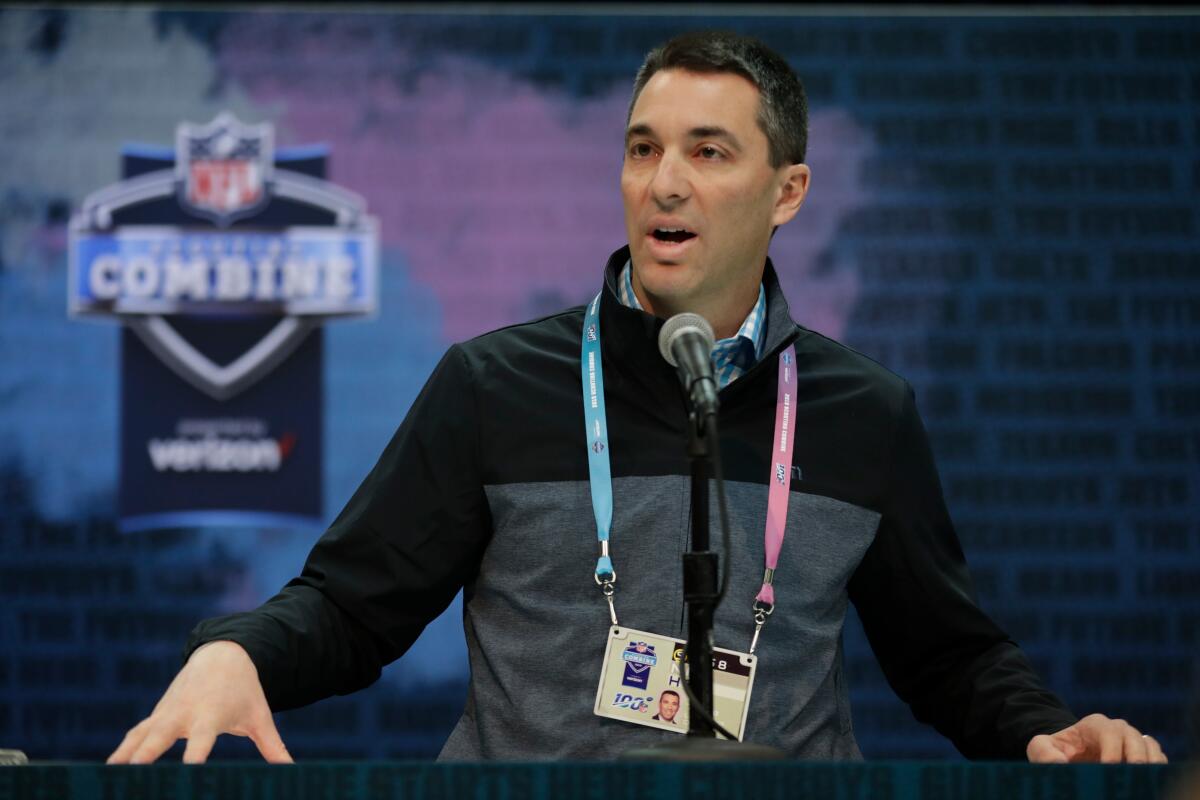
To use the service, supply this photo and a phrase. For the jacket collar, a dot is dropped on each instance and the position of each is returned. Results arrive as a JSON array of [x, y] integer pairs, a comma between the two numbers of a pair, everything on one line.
[[633, 334]]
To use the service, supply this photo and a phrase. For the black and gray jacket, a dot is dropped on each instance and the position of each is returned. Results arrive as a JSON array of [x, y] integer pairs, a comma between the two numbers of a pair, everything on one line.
[[485, 487]]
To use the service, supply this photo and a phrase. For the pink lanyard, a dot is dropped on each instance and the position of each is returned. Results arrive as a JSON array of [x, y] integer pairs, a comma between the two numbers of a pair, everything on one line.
[[780, 482]]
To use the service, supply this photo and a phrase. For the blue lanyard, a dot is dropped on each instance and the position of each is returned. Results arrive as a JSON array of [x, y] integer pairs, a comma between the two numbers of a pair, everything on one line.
[[596, 424]]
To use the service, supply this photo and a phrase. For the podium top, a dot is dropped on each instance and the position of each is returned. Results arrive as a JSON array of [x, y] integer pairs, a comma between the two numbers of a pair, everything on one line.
[[348, 780]]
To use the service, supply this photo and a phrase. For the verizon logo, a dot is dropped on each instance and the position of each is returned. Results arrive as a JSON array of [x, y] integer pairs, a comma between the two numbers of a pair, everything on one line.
[[219, 454]]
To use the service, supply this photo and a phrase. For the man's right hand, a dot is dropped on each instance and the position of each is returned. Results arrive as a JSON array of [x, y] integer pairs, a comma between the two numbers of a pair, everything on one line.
[[216, 692]]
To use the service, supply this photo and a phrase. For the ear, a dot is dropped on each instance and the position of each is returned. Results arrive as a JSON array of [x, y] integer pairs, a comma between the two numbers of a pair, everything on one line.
[[793, 187]]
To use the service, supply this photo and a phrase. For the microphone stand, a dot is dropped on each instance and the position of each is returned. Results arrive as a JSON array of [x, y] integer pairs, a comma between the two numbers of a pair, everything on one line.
[[700, 583], [700, 592]]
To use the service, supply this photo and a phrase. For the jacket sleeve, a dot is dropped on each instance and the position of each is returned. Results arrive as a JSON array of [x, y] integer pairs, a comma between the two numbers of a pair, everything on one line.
[[957, 670], [411, 536]]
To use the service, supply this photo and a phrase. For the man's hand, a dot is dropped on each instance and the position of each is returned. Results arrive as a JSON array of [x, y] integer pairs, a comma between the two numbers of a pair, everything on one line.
[[1096, 738], [216, 692]]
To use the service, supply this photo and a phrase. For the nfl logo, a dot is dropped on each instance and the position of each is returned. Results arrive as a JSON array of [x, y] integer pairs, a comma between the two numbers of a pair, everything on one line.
[[223, 169]]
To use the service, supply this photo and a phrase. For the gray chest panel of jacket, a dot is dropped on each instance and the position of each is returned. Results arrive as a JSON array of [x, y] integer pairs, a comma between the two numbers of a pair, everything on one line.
[[536, 623]]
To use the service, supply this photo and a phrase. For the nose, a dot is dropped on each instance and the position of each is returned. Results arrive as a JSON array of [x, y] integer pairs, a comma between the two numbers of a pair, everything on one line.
[[670, 184]]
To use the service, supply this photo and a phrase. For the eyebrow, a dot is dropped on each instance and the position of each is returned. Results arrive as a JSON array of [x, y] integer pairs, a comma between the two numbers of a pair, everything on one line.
[[701, 132]]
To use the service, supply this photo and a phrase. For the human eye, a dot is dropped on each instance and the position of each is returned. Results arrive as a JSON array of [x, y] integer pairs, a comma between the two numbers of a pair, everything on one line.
[[710, 152], [640, 150]]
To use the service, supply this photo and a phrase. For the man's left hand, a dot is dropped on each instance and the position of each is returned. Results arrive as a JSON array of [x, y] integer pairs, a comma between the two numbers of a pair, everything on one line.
[[1096, 738]]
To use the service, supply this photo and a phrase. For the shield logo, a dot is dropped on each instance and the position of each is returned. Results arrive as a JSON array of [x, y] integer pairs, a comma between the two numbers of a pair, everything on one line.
[[223, 170], [144, 274]]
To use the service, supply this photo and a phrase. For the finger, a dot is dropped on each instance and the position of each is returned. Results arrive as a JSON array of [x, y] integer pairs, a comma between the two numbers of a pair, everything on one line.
[[1045, 749], [1111, 741], [266, 738], [130, 743], [199, 745], [154, 745], [1135, 746], [1154, 751]]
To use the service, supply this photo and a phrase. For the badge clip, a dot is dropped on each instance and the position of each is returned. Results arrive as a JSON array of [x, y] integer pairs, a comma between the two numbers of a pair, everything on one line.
[[761, 612]]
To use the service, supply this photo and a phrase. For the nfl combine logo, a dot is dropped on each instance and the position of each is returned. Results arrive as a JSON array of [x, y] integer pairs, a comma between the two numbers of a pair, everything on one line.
[[222, 255], [639, 658], [223, 169], [315, 259]]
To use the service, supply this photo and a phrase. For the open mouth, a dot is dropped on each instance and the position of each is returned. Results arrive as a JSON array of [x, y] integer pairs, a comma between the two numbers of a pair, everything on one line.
[[676, 235]]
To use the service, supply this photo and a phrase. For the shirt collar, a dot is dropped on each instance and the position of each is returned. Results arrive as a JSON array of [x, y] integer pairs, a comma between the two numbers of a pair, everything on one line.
[[752, 332]]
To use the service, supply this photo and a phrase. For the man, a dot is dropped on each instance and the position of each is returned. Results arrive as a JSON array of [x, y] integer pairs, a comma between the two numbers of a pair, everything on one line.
[[668, 706], [486, 485]]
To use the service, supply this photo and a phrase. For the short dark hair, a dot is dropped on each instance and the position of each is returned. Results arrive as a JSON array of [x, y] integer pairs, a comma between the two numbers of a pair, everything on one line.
[[667, 692], [782, 106]]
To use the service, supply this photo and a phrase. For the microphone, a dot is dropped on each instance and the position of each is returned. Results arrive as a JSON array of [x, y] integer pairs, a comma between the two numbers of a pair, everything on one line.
[[686, 342]]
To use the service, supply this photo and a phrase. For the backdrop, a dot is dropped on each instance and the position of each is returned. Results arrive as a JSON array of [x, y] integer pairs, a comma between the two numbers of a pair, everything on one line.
[[1002, 210]]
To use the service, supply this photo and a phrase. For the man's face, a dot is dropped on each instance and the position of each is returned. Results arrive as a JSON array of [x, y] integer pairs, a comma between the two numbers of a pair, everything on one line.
[[668, 707], [700, 195]]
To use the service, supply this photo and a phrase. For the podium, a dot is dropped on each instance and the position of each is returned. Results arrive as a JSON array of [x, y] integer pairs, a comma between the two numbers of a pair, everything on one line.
[[790, 780]]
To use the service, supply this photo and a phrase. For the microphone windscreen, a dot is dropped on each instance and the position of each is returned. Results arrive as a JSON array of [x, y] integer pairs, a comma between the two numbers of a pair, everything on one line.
[[677, 326]]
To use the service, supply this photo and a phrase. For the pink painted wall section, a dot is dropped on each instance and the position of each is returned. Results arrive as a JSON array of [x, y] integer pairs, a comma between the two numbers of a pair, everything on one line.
[[502, 195]]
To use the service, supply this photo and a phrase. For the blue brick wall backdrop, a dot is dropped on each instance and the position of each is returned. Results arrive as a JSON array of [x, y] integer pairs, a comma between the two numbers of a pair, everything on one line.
[[1002, 211]]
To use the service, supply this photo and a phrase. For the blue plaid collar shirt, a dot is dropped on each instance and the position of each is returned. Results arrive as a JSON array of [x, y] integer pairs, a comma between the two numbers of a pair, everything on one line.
[[731, 357]]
